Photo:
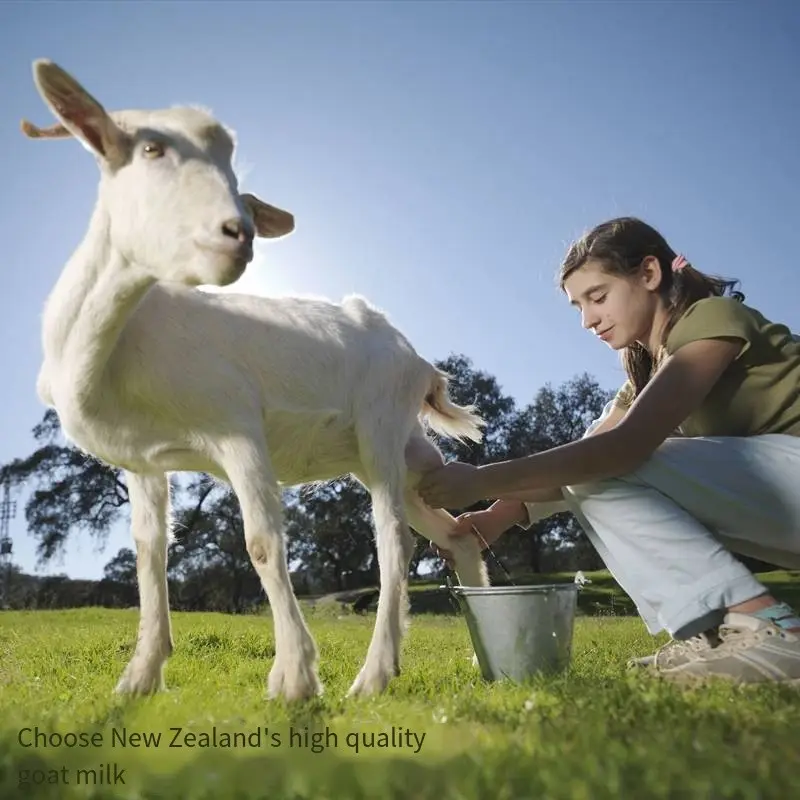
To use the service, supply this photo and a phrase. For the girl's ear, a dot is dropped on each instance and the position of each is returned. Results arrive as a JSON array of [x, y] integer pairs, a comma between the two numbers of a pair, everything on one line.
[[651, 273]]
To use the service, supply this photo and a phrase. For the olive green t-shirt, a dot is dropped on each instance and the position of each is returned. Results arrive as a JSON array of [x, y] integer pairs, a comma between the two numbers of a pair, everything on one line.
[[759, 392]]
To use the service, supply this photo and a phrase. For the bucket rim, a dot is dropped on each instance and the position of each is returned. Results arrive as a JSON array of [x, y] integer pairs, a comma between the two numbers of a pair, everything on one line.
[[536, 588]]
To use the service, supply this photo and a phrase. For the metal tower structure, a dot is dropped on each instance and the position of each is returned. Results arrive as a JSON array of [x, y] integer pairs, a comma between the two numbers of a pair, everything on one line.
[[8, 510]]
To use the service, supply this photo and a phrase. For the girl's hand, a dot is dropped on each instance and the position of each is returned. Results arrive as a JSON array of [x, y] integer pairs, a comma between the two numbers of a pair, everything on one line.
[[455, 485], [490, 526]]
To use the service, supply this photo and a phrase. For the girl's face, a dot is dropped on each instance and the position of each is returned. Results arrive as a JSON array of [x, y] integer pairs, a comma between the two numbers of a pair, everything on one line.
[[618, 309]]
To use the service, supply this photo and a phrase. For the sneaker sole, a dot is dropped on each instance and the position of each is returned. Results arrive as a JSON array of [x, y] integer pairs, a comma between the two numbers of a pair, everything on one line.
[[640, 663]]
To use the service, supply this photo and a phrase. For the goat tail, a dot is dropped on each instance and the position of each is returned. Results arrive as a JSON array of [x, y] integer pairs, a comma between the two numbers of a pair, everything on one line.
[[445, 417]]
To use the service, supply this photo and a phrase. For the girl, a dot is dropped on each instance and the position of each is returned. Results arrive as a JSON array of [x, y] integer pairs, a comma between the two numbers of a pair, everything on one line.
[[697, 457]]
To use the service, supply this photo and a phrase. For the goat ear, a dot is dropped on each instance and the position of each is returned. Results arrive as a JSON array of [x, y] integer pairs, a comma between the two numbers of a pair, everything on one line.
[[271, 222], [57, 131], [80, 114]]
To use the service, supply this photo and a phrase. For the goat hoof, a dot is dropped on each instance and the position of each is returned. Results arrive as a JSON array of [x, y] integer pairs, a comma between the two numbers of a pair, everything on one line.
[[293, 681], [372, 681], [141, 679], [475, 662]]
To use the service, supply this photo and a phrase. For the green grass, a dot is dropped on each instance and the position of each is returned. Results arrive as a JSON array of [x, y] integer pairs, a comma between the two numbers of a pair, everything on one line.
[[595, 732]]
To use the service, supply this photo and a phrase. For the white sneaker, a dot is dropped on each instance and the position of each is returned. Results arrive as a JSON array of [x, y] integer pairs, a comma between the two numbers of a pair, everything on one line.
[[752, 650], [678, 651]]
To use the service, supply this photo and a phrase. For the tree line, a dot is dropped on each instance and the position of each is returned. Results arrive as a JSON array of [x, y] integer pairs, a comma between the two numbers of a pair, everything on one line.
[[328, 528]]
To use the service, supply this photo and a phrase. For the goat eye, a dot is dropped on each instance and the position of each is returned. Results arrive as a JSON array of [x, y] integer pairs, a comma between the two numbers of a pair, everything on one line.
[[153, 150]]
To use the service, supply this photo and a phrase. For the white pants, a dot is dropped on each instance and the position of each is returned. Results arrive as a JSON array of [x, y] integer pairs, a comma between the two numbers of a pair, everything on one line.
[[666, 531]]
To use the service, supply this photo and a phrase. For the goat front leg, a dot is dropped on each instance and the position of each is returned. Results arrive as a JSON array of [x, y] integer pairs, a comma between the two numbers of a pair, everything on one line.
[[294, 672], [149, 500]]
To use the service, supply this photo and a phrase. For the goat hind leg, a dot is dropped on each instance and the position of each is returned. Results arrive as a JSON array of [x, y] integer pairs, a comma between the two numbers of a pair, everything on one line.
[[149, 499], [395, 546], [294, 672], [436, 524]]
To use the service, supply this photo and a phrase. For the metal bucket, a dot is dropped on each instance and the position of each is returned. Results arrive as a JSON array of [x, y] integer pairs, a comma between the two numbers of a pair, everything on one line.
[[519, 631]]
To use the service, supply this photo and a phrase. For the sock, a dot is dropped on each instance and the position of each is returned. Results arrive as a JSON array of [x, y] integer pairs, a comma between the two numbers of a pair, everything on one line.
[[782, 615]]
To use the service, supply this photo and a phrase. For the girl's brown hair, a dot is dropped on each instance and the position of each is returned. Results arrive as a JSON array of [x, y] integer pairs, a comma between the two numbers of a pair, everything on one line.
[[621, 245]]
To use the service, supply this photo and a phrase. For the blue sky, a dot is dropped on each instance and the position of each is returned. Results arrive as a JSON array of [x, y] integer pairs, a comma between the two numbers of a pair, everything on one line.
[[438, 156]]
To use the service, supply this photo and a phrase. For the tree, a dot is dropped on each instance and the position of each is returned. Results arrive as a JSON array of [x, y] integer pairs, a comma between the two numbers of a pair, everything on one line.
[[74, 492], [121, 568], [471, 386], [119, 586], [208, 564], [18, 590], [329, 531]]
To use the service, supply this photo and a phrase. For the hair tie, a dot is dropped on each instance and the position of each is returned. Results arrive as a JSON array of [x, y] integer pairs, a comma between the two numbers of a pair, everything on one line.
[[678, 263]]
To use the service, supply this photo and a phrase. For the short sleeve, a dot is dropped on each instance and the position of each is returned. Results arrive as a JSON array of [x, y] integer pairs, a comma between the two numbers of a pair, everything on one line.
[[624, 397], [714, 318]]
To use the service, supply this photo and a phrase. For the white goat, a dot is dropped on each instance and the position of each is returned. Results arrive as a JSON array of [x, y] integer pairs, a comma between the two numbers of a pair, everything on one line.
[[151, 375]]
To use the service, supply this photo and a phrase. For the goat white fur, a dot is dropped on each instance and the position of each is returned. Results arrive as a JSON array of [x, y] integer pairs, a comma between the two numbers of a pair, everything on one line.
[[152, 375]]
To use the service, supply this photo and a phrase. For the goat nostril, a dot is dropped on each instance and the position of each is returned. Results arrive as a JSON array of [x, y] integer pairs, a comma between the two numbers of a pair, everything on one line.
[[237, 229]]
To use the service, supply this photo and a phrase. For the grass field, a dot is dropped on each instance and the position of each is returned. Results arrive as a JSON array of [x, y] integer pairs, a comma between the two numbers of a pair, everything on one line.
[[596, 732]]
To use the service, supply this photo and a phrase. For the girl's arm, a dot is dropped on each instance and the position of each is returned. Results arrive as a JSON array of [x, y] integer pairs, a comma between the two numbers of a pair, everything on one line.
[[511, 506], [678, 388], [552, 494]]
